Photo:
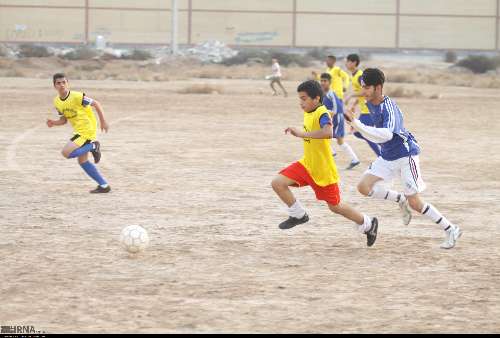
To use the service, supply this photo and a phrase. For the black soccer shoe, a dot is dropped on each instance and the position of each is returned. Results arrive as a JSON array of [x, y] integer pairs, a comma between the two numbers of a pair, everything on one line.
[[101, 190], [292, 221], [96, 152], [352, 165], [371, 235]]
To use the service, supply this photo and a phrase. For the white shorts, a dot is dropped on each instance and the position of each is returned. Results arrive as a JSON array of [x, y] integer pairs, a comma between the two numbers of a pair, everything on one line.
[[406, 168]]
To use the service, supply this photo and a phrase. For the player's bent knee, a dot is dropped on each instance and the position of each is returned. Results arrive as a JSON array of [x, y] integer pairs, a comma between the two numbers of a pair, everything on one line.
[[277, 184], [65, 154], [363, 189]]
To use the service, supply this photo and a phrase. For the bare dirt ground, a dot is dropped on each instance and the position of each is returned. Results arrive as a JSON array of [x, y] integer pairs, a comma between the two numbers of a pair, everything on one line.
[[194, 170]]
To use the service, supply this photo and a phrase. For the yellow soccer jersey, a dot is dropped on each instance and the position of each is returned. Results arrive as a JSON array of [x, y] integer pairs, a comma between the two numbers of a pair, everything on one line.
[[81, 118], [318, 159], [356, 86], [340, 79]]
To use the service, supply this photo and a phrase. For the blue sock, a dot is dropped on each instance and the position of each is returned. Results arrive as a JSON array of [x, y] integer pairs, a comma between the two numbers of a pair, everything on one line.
[[91, 170], [375, 147], [81, 151]]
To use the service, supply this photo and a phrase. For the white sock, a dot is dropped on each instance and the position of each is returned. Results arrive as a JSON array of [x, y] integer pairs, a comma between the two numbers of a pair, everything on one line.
[[430, 211], [296, 210], [347, 148], [367, 224], [334, 152], [104, 186], [380, 192]]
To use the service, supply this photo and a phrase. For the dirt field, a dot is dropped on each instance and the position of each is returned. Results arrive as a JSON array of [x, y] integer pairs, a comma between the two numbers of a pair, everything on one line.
[[195, 171]]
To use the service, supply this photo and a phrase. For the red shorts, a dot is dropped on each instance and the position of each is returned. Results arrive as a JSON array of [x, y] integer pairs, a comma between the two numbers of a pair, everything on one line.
[[299, 174]]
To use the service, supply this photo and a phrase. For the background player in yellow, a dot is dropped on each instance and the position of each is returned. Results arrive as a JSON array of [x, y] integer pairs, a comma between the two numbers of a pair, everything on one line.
[[340, 79], [352, 64], [317, 167], [76, 108]]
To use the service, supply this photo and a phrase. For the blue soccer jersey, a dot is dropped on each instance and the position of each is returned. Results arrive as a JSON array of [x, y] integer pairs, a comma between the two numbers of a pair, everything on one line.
[[388, 115]]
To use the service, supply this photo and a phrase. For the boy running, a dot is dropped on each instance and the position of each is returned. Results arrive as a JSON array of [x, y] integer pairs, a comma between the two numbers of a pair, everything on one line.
[[340, 79], [352, 64], [317, 167], [276, 77], [398, 157], [76, 108], [335, 106]]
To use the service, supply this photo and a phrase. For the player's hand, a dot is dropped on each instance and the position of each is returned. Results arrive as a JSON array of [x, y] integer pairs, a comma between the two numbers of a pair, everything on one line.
[[294, 131], [50, 123], [349, 115], [104, 126]]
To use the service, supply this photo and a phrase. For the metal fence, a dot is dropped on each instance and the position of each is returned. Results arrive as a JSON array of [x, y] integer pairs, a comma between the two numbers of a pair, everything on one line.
[[408, 24]]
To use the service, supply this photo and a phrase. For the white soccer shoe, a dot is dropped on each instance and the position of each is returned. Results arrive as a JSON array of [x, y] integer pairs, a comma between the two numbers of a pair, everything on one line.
[[452, 235], [405, 211]]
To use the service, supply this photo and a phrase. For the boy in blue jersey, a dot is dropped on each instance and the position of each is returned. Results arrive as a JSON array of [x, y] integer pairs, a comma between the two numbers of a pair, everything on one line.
[[398, 157], [336, 107]]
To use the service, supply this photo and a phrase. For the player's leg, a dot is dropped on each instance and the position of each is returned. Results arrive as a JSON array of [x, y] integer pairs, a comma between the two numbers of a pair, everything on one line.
[[282, 88], [296, 212], [411, 178], [365, 224], [273, 80], [291, 176], [91, 170], [69, 148], [372, 185], [79, 146]]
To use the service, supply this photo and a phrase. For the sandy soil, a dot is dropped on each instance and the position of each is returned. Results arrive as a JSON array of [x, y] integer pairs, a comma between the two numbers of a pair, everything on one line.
[[194, 170]]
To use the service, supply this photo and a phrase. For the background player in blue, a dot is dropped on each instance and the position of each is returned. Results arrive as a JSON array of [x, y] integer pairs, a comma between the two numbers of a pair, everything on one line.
[[336, 106], [398, 158]]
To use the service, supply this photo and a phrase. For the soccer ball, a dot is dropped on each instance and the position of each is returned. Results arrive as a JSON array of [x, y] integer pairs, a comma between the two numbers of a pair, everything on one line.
[[134, 238]]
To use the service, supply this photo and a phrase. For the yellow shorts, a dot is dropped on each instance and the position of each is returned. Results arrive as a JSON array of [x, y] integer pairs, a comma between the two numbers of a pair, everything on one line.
[[80, 140]]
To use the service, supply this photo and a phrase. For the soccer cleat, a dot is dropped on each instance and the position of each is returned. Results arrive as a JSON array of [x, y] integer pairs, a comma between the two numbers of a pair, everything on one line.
[[96, 152], [452, 235], [352, 165], [405, 211], [101, 190], [293, 221], [371, 235]]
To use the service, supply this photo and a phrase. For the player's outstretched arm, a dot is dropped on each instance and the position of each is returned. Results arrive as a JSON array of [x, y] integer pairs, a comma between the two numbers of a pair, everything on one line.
[[102, 122], [325, 132]]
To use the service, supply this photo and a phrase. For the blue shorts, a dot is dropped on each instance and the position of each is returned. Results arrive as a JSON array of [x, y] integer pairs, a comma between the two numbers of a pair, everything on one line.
[[338, 122], [338, 126]]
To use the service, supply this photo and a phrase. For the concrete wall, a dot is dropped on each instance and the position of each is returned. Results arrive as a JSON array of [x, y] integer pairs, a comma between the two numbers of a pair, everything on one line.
[[435, 24]]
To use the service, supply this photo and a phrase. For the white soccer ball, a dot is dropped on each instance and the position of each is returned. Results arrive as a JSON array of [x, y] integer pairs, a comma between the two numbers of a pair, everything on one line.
[[134, 238]]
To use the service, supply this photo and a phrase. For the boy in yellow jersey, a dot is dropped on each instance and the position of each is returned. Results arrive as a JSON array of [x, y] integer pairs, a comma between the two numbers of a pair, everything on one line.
[[340, 79], [352, 64], [76, 108], [317, 167]]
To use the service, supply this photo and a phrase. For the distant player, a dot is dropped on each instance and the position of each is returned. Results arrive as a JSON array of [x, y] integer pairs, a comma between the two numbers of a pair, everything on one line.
[[275, 77], [399, 157], [76, 108], [317, 167], [340, 79], [336, 107], [352, 64]]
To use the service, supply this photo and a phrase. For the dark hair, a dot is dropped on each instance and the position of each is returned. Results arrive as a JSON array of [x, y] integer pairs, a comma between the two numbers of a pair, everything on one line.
[[58, 76], [372, 77], [332, 57], [312, 88], [354, 58], [326, 76]]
